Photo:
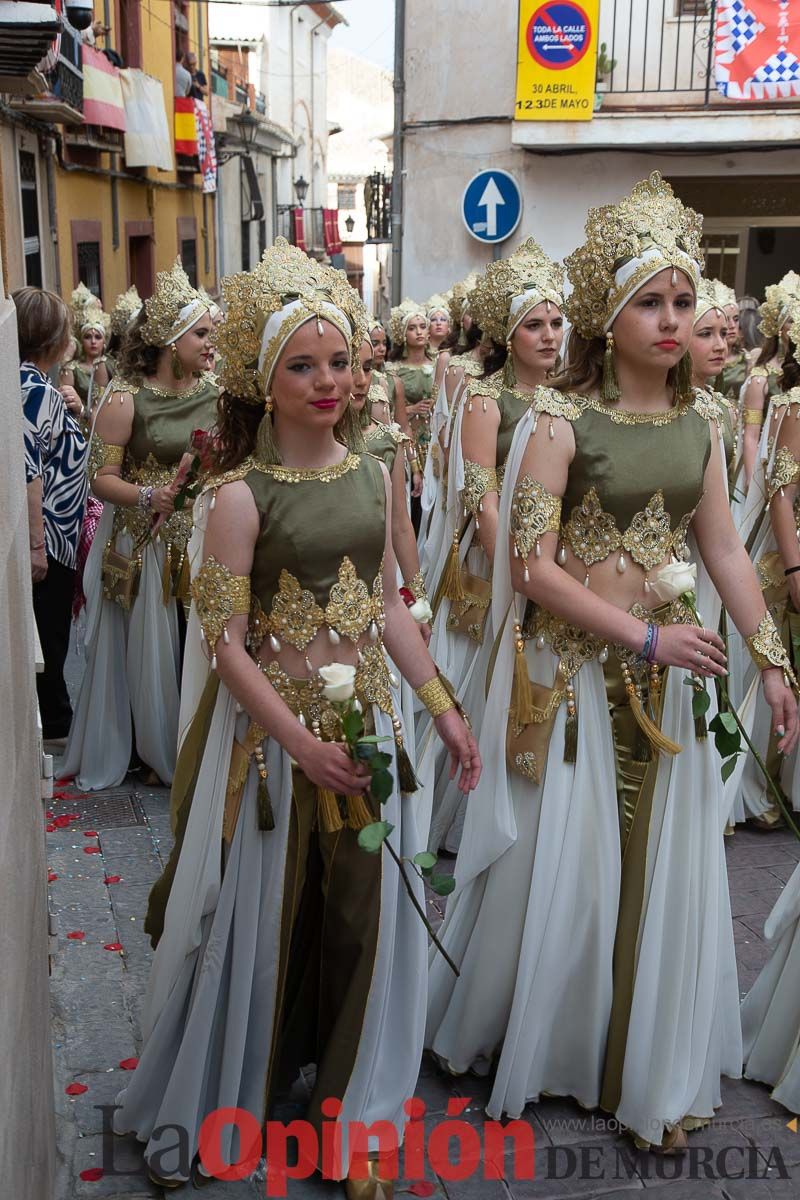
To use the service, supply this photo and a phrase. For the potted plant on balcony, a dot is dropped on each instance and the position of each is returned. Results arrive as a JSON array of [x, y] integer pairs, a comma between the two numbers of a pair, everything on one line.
[[605, 66]]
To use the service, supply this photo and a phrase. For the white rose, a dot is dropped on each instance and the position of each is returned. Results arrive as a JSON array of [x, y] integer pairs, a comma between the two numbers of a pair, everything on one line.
[[421, 611], [339, 680], [673, 579]]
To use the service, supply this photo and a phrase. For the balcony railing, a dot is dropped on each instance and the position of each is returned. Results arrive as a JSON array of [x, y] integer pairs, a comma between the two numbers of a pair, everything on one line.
[[658, 53], [303, 226]]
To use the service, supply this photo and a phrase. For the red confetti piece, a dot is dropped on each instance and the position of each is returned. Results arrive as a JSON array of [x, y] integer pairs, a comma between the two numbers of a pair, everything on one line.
[[65, 779], [129, 1064], [49, 815], [77, 935], [51, 877], [113, 946], [62, 822], [92, 1174], [91, 849], [76, 1089], [49, 828], [112, 879], [422, 1189], [90, 833]]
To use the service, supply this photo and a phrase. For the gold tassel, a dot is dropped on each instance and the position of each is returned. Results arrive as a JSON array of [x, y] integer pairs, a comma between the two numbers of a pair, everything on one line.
[[266, 817], [166, 576], [450, 586], [330, 818], [522, 709], [656, 738], [406, 777], [184, 579], [642, 750], [683, 379], [571, 728], [609, 389], [266, 450], [358, 813]]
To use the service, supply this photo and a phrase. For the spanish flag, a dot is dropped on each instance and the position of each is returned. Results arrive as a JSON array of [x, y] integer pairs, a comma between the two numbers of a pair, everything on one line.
[[102, 94], [185, 126]]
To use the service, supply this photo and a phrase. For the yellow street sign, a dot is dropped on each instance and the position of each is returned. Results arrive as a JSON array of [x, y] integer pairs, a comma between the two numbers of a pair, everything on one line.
[[557, 60]]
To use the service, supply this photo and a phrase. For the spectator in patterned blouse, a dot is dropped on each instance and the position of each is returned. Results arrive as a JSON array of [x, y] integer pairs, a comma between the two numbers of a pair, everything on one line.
[[55, 472]]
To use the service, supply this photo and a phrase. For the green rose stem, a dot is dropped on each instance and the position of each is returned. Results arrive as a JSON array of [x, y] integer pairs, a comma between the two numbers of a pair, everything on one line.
[[372, 837], [690, 600]]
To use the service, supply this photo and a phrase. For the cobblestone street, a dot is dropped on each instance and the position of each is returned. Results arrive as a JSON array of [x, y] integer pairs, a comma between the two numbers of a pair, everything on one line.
[[102, 862]]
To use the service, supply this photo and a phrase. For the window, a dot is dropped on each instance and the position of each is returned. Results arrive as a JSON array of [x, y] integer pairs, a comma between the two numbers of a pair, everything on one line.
[[721, 252], [346, 196], [129, 39], [87, 255], [691, 8], [139, 237], [30, 219], [189, 259]]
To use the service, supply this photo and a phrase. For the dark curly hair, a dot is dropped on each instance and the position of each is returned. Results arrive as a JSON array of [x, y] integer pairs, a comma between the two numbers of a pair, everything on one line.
[[790, 369], [138, 359]]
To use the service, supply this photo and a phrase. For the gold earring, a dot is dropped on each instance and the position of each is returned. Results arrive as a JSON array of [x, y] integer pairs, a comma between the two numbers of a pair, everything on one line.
[[177, 367], [268, 405]]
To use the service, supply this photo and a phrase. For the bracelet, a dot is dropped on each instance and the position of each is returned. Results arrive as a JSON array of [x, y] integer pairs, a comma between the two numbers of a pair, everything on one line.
[[439, 697], [752, 416], [414, 465], [650, 644], [791, 570], [417, 587], [37, 546], [145, 500], [767, 650]]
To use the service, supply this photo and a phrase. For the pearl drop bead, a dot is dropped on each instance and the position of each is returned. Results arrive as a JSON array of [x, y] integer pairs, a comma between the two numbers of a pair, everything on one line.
[[622, 564], [603, 655], [275, 645], [562, 555], [333, 637], [540, 642]]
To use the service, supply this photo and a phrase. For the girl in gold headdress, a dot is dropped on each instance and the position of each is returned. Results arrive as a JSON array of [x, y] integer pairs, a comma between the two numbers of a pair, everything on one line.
[[279, 941], [90, 371], [591, 919], [411, 366], [135, 586], [517, 303]]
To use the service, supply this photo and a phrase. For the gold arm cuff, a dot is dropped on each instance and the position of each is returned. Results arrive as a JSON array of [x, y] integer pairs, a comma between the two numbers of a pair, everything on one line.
[[753, 416], [417, 586], [785, 471], [218, 596], [534, 512], [103, 454], [767, 650], [478, 480], [435, 696]]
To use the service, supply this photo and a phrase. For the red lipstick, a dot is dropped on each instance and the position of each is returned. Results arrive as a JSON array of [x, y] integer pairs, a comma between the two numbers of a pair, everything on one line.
[[325, 405], [667, 344]]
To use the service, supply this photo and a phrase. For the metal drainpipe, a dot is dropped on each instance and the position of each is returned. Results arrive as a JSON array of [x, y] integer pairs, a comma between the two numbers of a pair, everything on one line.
[[51, 208], [397, 149], [311, 159]]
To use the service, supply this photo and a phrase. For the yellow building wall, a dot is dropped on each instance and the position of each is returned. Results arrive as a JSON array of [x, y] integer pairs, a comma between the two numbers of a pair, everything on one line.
[[86, 196]]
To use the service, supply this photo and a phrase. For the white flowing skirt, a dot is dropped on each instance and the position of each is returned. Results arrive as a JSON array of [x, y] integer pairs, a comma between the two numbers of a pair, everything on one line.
[[132, 676]]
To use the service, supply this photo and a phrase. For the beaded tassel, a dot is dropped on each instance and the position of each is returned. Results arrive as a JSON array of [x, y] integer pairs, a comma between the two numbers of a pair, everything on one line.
[[266, 817], [358, 813], [451, 586], [571, 728], [406, 777], [521, 708], [609, 389], [656, 738]]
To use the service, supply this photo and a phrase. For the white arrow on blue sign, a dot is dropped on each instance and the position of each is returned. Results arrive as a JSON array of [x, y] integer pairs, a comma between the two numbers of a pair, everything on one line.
[[492, 206]]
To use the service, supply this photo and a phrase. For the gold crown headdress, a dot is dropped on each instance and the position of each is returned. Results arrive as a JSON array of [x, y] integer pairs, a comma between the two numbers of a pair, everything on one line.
[[458, 297], [437, 303], [401, 315], [511, 287], [262, 309], [125, 311], [346, 298], [710, 295], [724, 296], [626, 245], [779, 298], [214, 309], [93, 317], [85, 306], [174, 307]]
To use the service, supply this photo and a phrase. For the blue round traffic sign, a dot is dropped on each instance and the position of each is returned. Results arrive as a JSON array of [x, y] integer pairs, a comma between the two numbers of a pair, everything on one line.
[[559, 34], [491, 206]]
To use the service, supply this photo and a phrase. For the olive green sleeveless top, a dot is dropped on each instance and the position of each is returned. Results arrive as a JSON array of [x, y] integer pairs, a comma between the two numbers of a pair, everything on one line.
[[417, 381], [82, 373], [318, 559], [163, 421], [636, 479], [513, 405], [772, 375], [383, 441], [731, 377]]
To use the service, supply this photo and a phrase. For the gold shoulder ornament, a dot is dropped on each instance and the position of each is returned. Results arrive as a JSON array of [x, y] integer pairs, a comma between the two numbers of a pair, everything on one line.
[[218, 595]]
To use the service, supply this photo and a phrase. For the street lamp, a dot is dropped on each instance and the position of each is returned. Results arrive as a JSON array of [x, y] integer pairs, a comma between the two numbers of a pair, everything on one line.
[[301, 188], [349, 224], [249, 127]]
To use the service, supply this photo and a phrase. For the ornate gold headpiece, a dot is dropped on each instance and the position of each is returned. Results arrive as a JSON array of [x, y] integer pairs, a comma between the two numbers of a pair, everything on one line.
[[511, 287], [627, 244], [458, 297], [286, 278], [779, 298], [93, 317], [174, 307], [81, 301], [125, 311], [711, 295], [723, 295], [401, 315], [437, 303], [346, 298], [794, 326]]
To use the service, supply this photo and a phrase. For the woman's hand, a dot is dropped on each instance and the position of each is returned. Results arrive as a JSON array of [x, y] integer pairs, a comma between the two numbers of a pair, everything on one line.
[[421, 409], [328, 765], [781, 700], [463, 749], [698, 650], [163, 499], [416, 484], [38, 564], [72, 400]]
